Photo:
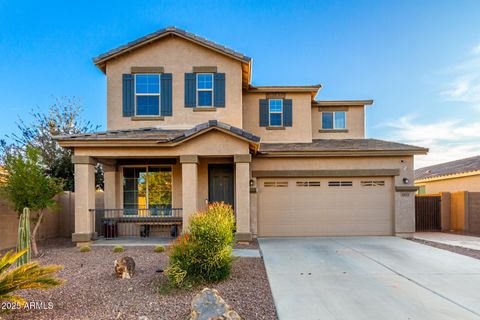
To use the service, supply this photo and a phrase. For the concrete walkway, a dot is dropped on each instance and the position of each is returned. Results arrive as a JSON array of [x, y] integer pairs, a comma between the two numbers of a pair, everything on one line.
[[369, 278], [458, 240]]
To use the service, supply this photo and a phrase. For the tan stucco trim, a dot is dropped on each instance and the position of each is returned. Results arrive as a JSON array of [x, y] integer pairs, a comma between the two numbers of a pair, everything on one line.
[[203, 109], [242, 158], [334, 130], [189, 158], [451, 176], [342, 103], [294, 154], [83, 160], [146, 69], [276, 95], [285, 89], [321, 109], [146, 118], [326, 173], [275, 128], [406, 189], [200, 69]]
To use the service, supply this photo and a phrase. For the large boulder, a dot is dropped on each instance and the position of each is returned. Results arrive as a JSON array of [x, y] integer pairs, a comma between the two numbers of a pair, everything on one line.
[[208, 305]]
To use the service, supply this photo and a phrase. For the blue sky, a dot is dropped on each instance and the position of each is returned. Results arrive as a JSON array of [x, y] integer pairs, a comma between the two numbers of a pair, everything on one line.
[[419, 60]]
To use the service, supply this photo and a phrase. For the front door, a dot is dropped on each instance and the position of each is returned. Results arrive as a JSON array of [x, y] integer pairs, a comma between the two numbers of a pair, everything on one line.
[[220, 183]]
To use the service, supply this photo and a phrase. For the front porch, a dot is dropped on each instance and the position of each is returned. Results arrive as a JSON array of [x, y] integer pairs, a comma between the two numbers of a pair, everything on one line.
[[155, 179]]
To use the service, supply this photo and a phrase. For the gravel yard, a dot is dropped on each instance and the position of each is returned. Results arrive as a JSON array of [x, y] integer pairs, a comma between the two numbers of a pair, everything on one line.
[[93, 292]]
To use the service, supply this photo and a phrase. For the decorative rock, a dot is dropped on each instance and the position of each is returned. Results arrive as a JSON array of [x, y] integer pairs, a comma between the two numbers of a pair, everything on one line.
[[208, 305]]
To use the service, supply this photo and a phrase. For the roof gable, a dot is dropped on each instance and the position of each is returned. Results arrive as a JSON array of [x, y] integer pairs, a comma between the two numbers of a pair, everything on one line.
[[101, 60]]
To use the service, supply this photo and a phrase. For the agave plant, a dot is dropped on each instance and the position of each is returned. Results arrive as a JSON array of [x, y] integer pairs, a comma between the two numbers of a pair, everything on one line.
[[28, 276]]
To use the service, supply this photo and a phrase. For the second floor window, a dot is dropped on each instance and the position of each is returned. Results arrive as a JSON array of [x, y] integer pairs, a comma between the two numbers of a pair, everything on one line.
[[275, 110], [333, 120], [147, 94], [204, 89]]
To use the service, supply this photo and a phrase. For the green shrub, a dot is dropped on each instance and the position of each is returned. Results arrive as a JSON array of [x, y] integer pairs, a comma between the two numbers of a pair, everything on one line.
[[85, 248], [204, 252], [118, 249], [159, 248]]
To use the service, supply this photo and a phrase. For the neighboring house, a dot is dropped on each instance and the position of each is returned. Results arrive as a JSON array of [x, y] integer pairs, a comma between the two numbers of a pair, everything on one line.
[[186, 127], [458, 175]]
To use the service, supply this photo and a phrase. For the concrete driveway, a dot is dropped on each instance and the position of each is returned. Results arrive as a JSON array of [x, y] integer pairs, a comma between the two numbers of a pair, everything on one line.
[[369, 278]]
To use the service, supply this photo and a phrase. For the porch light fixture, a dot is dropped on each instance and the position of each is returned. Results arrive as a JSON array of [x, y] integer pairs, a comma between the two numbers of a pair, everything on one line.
[[252, 183], [405, 180]]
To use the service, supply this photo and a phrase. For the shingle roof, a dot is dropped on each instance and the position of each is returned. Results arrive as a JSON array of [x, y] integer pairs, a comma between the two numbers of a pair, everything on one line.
[[333, 145], [164, 32], [157, 134], [449, 168]]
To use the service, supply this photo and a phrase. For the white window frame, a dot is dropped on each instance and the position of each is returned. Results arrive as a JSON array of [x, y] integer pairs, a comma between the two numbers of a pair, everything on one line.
[[276, 112], [148, 94], [198, 90], [333, 120]]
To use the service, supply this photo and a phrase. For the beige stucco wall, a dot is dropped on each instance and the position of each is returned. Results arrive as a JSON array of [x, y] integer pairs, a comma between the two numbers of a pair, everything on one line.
[[471, 183], [301, 130], [355, 123], [178, 57]]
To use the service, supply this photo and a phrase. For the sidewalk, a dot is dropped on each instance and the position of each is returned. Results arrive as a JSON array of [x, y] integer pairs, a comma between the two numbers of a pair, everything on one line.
[[458, 240]]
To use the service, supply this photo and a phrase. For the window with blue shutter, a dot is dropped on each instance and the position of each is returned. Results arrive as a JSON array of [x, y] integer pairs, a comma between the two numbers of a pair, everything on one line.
[[275, 110], [287, 112], [190, 90], [166, 97], [263, 112], [219, 90], [128, 93], [147, 94]]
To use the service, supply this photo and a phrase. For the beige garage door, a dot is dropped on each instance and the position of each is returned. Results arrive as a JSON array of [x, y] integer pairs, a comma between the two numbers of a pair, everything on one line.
[[325, 206]]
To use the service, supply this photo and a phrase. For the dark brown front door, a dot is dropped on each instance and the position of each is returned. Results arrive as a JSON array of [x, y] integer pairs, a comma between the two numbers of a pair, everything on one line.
[[220, 183]]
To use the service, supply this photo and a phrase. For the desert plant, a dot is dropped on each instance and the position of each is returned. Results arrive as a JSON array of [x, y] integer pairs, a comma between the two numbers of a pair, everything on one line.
[[204, 253], [118, 249], [23, 240], [85, 248], [159, 248], [27, 186], [28, 276]]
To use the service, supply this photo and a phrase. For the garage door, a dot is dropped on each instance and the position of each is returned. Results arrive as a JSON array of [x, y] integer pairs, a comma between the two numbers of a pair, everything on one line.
[[325, 206]]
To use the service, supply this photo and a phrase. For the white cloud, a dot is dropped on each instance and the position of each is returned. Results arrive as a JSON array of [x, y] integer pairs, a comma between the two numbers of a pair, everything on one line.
[[447, 139], [476, 49]]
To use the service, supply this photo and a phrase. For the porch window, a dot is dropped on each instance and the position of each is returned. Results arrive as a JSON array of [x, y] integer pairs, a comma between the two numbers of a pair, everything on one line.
[[205, 89], [275, 109], [147, 94], [147, 187]]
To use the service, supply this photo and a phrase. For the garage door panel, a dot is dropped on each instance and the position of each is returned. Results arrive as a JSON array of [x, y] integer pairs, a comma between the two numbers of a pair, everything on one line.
[[300, 209]]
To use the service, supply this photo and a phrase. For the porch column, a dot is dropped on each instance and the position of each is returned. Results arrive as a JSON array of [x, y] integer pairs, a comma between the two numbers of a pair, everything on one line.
[[110, 185], [242, 196], [189, 187], [84, 199]]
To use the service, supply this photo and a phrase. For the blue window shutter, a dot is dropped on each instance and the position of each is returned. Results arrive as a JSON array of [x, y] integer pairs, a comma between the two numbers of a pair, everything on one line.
[[219, 90], [128, 95], [166, 94], [190, 90], [287, 112], [263, 113]]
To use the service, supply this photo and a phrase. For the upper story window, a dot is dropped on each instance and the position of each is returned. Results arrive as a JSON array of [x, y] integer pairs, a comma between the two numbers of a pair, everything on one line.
[[334, 120], [147, 94], [204, 89], [275, 110]]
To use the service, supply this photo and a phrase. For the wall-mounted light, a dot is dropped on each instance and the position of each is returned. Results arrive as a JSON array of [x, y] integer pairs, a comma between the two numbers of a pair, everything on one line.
[[252, 183], [406, 181]]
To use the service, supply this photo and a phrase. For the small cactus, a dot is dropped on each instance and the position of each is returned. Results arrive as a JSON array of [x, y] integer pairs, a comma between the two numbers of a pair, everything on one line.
[[23, 240]]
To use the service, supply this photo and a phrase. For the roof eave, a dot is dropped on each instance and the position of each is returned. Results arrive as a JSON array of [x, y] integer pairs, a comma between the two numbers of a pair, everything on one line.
[[343, 153], [331, 103]]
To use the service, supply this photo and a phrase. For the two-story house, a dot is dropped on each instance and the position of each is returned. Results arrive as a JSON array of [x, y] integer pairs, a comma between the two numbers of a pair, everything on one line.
[[186, 127]]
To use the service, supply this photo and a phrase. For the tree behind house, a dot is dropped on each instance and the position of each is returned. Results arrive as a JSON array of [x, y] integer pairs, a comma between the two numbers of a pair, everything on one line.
[[27, 186]]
